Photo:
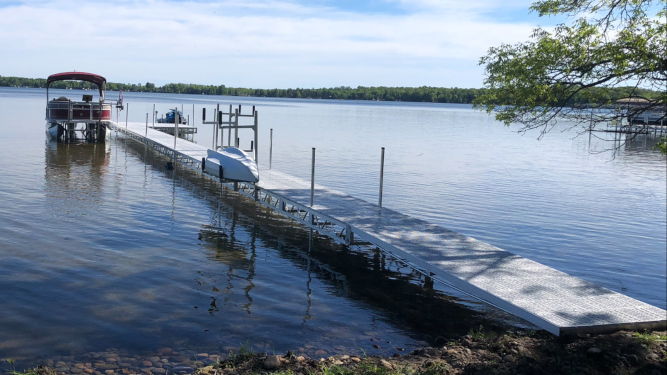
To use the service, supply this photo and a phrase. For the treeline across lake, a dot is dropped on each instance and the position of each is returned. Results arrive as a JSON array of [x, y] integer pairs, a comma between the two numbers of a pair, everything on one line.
[[404, 94]]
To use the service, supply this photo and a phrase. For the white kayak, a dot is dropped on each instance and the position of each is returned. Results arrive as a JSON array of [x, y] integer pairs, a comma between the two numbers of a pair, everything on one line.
[[236, 165]]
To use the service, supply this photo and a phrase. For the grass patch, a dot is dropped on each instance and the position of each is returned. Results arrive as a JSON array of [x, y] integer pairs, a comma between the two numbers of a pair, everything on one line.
[[367, 368], [477, 333], [649, 338], [41, 370], [245, 352], [436, 369], [245, 355], [335, 370]]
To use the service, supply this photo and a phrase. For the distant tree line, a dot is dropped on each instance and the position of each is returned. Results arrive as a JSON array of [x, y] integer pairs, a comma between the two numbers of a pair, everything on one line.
[[404, 94]]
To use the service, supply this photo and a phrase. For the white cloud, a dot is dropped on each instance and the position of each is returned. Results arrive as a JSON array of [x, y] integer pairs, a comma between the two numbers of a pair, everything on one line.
[[254, 43]]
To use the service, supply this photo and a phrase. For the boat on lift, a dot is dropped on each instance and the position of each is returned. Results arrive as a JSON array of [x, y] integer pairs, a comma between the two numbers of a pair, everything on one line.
[[236, 165], [170, 118], [67, 119]]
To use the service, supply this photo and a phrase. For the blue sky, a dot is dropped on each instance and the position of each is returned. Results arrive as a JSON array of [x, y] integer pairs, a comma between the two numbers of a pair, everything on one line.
[[262, 43]]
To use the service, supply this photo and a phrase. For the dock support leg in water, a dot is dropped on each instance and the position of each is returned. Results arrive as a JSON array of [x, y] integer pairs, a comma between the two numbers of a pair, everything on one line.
[[312, 180], [220, 171], [381, 177]]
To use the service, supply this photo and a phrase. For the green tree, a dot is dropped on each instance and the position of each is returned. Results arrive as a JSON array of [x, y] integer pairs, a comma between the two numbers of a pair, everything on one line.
[[609, 45]]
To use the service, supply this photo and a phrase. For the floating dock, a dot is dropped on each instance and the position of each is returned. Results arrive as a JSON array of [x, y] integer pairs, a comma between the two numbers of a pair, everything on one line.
[[551, 299]]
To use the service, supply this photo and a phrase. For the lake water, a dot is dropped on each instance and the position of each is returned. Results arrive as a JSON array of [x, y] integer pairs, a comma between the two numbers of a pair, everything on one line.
[[101, 247]]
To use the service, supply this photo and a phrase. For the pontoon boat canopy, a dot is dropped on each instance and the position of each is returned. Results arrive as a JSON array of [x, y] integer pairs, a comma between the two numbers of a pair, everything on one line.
[[78, 76]]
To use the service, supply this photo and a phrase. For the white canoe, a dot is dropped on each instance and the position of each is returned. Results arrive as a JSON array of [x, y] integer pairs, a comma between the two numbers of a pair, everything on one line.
[[236, 165]]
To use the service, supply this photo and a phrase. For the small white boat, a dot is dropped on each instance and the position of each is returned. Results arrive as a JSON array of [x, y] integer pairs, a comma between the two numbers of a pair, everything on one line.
[[236, 165]]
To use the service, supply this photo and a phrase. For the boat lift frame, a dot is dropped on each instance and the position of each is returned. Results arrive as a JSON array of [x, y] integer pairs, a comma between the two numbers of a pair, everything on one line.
[[230, 120]]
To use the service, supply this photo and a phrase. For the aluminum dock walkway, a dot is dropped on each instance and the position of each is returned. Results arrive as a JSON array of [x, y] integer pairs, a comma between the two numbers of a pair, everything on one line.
[[548, 298]]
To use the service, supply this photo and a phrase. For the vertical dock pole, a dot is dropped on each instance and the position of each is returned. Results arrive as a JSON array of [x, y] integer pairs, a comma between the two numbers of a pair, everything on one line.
[[229, 129], [69, 119], [271, 149], [381, 177], [99, 122], [177, 119], [236, 126], [256, 136], [312, 180], [218, 120], [154, 115], [146, 135], [127, 111], [220, 177]]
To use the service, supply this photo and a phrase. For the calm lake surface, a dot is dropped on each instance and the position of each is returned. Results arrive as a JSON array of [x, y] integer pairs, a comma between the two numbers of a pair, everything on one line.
[[101, 247]]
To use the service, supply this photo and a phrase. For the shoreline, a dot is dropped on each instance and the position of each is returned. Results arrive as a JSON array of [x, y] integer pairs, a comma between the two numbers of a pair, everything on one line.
[[479, 352]]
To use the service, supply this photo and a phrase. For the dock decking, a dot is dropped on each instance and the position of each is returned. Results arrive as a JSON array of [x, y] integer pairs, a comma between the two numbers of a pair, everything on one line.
[[169, 128], [548, 298]]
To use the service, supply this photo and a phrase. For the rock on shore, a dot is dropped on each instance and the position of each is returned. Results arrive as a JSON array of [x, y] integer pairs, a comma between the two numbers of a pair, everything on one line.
[[479, 353]]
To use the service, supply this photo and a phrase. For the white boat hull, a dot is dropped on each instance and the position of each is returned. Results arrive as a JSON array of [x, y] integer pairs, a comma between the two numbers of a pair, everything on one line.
[[52, 131], [236, 165]]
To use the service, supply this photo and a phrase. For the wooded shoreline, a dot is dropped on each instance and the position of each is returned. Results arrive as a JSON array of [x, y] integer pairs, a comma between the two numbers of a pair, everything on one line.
[[380, 93]]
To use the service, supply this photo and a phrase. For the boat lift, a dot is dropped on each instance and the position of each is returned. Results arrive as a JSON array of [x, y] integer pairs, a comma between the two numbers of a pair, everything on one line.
[[231, 120]]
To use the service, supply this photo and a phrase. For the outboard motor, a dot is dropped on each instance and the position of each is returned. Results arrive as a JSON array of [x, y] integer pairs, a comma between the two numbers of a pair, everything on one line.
[[119, 103]]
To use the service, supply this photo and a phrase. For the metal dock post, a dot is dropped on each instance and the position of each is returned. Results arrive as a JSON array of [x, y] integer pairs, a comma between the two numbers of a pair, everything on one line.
[[177, 119], [256, 136], [312, 180], [381, 177], [218, 126]]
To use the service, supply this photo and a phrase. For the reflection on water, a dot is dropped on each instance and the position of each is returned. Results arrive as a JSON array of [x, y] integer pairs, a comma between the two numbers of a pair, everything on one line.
[[76, 171], [105, 248], [132, 256], [379, 279], [240, 265]]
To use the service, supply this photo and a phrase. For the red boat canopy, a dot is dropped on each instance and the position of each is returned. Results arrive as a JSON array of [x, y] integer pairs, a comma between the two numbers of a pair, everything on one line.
[[78, 76]]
